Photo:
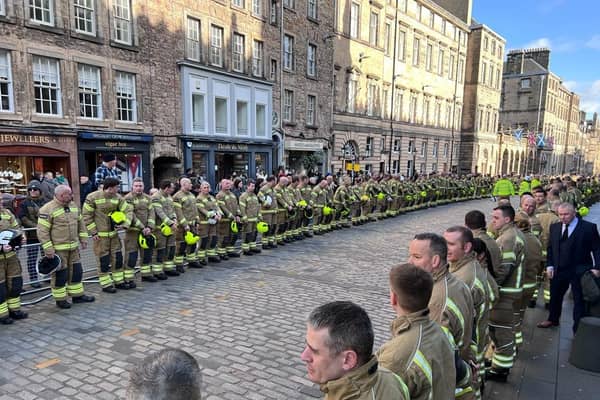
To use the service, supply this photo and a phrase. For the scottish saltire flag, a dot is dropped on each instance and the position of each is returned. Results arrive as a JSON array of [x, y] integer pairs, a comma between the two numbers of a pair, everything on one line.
[[541, 140], [518, 134]]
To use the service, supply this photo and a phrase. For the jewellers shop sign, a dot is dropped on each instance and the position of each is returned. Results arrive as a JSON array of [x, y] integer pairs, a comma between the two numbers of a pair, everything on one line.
[[13, 138]]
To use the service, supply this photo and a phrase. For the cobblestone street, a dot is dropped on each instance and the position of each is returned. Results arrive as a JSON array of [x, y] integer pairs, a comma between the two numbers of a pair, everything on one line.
[[243, 320]]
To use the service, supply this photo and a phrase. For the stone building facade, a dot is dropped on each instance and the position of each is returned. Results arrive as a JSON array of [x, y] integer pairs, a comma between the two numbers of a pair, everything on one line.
[[398, 86], [483, 86]]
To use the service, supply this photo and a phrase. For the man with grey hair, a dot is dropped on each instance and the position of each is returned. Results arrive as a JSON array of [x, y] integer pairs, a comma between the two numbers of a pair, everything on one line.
[[339, 355], [170, 374]]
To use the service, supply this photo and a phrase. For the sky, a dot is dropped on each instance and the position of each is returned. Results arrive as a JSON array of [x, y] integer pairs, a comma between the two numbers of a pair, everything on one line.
[[570, 28]]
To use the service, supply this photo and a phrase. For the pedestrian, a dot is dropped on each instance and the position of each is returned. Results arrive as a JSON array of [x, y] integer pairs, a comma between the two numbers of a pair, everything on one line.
[[61, 179], [170, 374], [419, 351], [339, 355], [108, 169], [28, 215], [47, 186], [61, 231], [238, 187], [86, 186], [571, 246]]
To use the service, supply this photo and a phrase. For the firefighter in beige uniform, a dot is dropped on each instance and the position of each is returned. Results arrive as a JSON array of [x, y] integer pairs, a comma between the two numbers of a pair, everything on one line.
[[250, 212], [187, 221], [228, 204], [99, 211], [268, 202], [165, 226], [11, 281], [141, 215], [209, 214], [61, 231]]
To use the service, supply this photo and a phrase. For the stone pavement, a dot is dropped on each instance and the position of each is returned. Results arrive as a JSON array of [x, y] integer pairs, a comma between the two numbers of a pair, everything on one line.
[[244, 321]]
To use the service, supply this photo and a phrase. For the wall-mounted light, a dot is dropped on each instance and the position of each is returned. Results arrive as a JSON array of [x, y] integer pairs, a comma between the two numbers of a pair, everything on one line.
[[362, 56]]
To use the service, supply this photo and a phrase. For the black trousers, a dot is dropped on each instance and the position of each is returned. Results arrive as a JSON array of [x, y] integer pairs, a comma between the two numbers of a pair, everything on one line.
[[559, 285]]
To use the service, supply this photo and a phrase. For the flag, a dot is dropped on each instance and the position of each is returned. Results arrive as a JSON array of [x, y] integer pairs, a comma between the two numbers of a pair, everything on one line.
[[541, 140], [518, 134], [531, 138]]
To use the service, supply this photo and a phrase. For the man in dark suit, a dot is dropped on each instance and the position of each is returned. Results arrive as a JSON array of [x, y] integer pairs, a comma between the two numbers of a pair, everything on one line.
[[572, 243]]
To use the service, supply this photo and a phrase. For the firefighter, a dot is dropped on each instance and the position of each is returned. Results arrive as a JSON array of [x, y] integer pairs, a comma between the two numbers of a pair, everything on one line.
[[61, 232], [209, 214], [318, 203], [228, 204], [187, 221], [141, 215], [306, 211], [11, 281], [342, 200], [104, 212], [284, 207], [250, 215], [165, 227], [268, 201]]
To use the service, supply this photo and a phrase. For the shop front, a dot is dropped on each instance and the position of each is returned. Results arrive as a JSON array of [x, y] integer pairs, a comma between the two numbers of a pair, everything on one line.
[[25, 154], [215, 161], [305, 156], [132, 152]]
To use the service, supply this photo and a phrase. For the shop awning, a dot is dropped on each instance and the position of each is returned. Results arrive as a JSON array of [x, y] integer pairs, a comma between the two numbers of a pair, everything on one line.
[[303, 145]]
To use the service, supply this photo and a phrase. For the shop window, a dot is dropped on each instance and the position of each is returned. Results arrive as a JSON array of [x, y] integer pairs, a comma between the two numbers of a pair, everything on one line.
[[122, 21], [126, 100], [6, 88], [220, 115], [200, 163], [90, 100], [216, 46], [46, 84], [85, 16], [261, 120], [192, 39], [41, 11], [198, 107], [242, 118], [238, 52], [260, 162]]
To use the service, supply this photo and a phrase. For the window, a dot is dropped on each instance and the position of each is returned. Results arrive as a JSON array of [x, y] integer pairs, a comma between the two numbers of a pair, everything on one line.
[[198, 112], [395, 166], [434, 167], [237, 57], [387, 32], [242, 117], [273, 70], [221, 115], [352, 87], [426, 109], [526, 83], [312, 9], [85, 16], [483, 76], [493, 50], [440, 66], [434, 149], [288, 52], [396, 145], [498, 78], [311, 60], [257, 58], [401, 45], [288, 105], [437, 115], [261, 120], [273, 12], [371, 93], [411, 146], [423, 168], [216, 46], [2, 8], [354, 20], [369, 147], [485, 43], [6, 88], [385, 103], [416, 49], [122, 21], [448, 116], [461, 70], [192, 40], [311, 103], [90, 99], [46, 85], [257, 7], [41, 11], [398, 105], [413, 110], [445, 150], [409, 168], [289, 3], [374, 29], [238, 3], [429, 57], [126, 101], [451, 67]]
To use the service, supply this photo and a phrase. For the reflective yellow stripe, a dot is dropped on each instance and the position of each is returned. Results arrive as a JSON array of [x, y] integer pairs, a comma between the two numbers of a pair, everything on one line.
[[46, 245], [66, 246], [107, 234], [519, 240], [87, 207], [100, 201], [509, 255], [403, 387], [510, 290], [58, 212], [449, 336], [529, 285], [423, 364], [456, 311], [44, 222]]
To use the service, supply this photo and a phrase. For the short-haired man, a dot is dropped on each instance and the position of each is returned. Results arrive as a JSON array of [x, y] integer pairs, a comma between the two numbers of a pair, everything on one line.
[[268, 201], [464, 266], [419, 351], [108, 169], [475, 221], [165, 225], [170, 374], [228, 203], [528, 206], [547, 216], [509, 277], [339, 355], [187, 220]]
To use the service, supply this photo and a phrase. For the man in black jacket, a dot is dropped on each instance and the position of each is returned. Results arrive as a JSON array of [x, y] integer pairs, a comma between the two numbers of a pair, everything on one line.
[[28, 215], [572, 243]]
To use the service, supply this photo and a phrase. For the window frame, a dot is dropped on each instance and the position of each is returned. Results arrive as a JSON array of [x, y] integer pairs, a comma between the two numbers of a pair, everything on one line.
[[288, 52], [216, 49], [311, 112], [127, 21], [288, 106], [85, 9], [8, 81], [257, 58], [84, 90], [50, 10], [47, 84], [374, 28], [354, 23], [193, 41], [312, 11], [238, 50], [133, 99], [311, 61]]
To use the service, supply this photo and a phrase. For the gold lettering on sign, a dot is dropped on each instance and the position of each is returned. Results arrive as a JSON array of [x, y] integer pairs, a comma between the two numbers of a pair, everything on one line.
[[234, 147], [115, 144], [32, 139]]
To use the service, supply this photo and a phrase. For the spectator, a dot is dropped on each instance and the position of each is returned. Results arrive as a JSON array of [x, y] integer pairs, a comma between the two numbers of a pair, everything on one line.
[[238, 187], [85, 187], [339, 355], [107, 169], [28, 214], [47, 186], [61, 179], [170, 374]]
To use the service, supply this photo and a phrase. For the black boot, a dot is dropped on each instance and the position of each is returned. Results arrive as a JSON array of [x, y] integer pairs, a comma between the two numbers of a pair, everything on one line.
[[233, 254], [180, 269], [172, 272], [122, 286], [161, 276], [6, 321], [109, 289], [532, 304], [214, 259], [83, 299], [149, 278], [255, 250], [18, 314], [497, 374], [224, 257], [64, 304], [248, 253], [131, 284]]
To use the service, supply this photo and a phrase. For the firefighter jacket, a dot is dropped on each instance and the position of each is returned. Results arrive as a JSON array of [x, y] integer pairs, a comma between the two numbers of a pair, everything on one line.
[[164, 208], [319, 197], [343, 198], [140, 211], [468, 270], [306, 193], [250, 207], [451, 306], [208, 207], [420, 353], [546, 219], [60, 227], [503, 187], [281, 198], [366, 382], [8, 221], [186, 209], [492, 247], [264, 194], [512, 244], [96, 213], [28, 214], [228, 204], [532, 259]]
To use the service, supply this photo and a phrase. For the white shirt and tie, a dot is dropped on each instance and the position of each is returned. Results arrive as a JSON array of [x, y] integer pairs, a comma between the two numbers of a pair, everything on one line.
[[569, 228]]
